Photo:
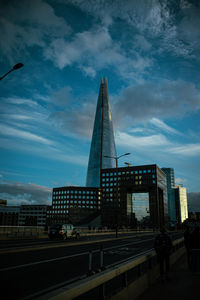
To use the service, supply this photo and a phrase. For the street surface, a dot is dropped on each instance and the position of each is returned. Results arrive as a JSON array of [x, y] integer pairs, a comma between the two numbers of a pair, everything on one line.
[[28, 268]]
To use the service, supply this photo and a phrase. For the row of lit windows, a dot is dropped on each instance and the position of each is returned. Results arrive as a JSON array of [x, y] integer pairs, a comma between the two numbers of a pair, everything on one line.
[[68, 206], [62, 210], [73, 197], [74, 201], [73, 192], [108, 179], [135, 182], [129, 172]]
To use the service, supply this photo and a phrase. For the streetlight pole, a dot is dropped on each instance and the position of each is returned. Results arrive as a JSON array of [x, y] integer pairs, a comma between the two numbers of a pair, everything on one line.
[[117, 186], [17, 66]]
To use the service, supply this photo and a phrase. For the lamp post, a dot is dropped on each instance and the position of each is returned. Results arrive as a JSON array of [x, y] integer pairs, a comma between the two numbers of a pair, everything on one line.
[[117, 204], [17, 66]]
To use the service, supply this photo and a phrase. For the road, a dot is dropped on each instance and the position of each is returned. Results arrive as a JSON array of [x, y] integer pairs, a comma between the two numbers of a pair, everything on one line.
[[28, 268]]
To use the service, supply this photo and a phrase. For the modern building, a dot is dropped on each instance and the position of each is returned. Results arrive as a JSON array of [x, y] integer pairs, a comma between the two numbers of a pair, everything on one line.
[[3, 202], [33, 215], [181, 203], [116, 196], [9, 215], [76, 205], [171, 195], [134, 196], [103, 143]]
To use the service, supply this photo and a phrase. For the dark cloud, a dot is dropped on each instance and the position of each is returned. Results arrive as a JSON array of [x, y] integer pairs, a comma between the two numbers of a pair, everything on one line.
[[20, 193], [148, 100], [78, 121], [28, 23], [194, 201]]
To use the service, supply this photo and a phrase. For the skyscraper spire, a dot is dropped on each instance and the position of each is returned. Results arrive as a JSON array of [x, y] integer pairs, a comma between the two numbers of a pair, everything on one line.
[[103, 143]]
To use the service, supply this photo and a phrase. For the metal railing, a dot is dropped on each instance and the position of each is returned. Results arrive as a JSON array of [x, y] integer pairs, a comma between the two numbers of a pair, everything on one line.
[[115, 280]]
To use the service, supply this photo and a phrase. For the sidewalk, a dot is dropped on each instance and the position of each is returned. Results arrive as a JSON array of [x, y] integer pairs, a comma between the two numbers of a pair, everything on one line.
[[183, 284]]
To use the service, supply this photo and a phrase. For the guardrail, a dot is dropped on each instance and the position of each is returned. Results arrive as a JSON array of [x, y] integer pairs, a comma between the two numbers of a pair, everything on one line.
[[40, 232], [124, 281], [22, 231]]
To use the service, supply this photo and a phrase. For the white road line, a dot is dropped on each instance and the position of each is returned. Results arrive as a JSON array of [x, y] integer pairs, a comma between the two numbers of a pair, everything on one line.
[[68, 256]]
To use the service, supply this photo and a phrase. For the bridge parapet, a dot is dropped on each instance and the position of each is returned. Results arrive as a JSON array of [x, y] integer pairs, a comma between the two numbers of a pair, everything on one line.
[[124, 281]]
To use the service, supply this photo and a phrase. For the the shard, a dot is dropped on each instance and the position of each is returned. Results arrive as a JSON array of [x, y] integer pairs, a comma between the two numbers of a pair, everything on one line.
[[103, 143]]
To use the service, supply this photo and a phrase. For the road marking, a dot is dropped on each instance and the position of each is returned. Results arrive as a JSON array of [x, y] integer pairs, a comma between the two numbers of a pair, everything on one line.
[[5, 251], [68, 256]]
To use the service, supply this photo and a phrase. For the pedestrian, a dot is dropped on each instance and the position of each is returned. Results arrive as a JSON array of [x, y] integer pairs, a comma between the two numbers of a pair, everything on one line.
[[163, 246], [187, 242], [195, 250]]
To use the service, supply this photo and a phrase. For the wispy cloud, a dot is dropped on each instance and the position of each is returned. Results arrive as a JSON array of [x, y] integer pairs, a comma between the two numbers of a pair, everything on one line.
[[163, 126], [10, 131], [124, 139], [186, 150]]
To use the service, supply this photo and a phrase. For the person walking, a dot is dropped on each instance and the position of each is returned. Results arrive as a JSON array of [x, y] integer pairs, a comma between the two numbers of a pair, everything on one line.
[[163, 246], [195, 250], [187, 242]]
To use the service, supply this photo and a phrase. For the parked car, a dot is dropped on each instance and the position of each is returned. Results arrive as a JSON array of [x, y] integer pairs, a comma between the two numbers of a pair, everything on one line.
[[62, 231]]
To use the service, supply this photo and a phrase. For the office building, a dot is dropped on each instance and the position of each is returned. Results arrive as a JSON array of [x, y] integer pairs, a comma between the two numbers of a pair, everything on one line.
[[181, 203], [133, 196], [171, 195], [76, 205], [9, 215], [33, 215], [103, 143]]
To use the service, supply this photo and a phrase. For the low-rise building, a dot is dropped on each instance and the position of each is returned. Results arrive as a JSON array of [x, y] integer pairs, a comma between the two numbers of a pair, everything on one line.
[[9, 215], [74, 205], [33, 215]]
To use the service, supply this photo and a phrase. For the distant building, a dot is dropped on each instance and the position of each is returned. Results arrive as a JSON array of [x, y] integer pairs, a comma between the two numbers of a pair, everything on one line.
[[9, 215], [134, 196], [3, 202], [76, 205], [33, 215], [171, 195], [181, 203]]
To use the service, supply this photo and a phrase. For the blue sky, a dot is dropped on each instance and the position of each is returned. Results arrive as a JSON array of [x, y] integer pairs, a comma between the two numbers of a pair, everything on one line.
[[149, 52]]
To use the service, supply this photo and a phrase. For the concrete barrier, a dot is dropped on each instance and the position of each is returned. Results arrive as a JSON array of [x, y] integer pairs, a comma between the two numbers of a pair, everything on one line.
[[124, 281]]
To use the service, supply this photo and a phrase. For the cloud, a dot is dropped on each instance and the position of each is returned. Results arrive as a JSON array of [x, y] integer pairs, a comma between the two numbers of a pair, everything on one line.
[[124, 139], [150, 100], [163, 126], [175, 29], [186, 150], [194, 201], [26, 24], [93, 50], [10, 131], [180, 180], [20, 193]]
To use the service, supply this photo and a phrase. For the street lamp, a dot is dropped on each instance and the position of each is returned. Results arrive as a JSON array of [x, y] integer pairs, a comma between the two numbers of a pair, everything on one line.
[[17, 66], [128, 164], [116, 161]]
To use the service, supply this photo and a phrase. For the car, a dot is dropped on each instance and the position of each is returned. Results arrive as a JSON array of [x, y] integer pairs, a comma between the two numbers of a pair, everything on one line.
[[62, 231]]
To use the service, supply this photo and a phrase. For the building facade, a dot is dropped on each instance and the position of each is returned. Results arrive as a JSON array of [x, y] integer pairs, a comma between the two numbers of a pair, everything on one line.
[[76, 205], [103, 143], [181, 203], [134, 195], [33, 215], [171, 195], [9, 215]]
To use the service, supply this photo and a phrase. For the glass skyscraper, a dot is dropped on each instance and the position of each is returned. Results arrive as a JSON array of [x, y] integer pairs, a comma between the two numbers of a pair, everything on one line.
[[171, 195], [103, 143]]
